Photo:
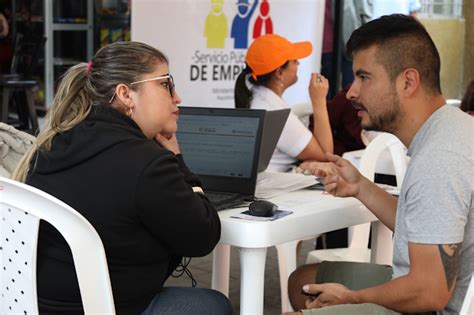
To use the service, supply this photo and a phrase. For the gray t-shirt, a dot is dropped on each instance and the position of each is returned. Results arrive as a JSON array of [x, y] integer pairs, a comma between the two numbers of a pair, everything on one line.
[[436, 201]]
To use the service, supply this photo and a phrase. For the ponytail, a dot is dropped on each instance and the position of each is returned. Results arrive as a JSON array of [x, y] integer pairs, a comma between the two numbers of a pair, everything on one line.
[[242, 94], [70, 107]]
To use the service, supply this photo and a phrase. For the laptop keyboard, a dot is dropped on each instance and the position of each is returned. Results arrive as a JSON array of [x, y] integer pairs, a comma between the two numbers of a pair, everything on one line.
[[223, 201], [218, 197]]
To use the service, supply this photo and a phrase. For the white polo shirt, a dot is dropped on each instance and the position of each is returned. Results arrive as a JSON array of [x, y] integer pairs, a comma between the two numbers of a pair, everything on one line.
[[294, 137]]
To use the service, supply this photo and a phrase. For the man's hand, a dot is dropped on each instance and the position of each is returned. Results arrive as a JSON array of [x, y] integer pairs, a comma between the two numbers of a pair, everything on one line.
[[168, 142], [329, 294], [340, 177]]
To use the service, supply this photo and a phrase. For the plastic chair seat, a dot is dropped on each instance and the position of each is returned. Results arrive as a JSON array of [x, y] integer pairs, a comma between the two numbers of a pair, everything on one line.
[[19, 84], [9, 76]]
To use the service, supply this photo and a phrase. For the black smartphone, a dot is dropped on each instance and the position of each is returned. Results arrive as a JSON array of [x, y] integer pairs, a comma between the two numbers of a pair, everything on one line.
[[317, 186], [313, 295]]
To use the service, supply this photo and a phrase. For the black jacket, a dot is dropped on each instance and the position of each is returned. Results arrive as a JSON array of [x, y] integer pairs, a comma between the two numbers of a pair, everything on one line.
[[139, 198]]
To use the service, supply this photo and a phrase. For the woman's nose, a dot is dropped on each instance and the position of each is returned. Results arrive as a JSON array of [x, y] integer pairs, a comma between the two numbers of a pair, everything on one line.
[[176, 98]]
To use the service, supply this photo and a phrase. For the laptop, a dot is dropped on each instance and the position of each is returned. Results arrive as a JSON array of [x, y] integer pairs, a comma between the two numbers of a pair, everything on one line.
[[275, 120], [222, 146]]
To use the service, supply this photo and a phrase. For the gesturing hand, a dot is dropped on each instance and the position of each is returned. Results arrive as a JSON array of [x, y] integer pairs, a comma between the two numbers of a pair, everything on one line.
[[340, 177]]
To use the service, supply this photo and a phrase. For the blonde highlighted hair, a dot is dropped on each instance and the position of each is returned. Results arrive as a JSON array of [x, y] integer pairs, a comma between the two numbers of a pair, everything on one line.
[[84, 86]]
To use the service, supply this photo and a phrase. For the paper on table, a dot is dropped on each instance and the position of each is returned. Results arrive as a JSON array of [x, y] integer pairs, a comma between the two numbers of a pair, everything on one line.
[[271, 184]]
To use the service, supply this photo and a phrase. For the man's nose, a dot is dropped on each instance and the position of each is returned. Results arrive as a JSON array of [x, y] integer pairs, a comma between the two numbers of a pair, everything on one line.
[[352, 92]]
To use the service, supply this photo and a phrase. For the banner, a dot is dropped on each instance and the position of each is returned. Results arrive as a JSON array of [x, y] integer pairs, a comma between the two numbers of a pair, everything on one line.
[[206, 41]]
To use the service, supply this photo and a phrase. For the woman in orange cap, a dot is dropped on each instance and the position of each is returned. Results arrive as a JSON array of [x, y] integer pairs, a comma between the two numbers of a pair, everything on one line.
[[272, 64]]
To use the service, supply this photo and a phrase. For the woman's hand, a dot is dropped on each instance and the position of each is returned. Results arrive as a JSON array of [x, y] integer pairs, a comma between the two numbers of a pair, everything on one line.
[[168, 141], [318, 89]]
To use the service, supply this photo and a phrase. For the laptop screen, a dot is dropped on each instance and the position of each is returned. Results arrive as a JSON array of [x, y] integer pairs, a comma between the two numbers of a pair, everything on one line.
[[221, 146]]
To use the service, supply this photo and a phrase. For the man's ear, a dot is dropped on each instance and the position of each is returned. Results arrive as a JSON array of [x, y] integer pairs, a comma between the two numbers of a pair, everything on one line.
[[409, 81]]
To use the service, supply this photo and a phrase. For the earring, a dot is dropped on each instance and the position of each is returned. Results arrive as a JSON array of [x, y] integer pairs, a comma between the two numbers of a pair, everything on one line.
[[281, 82], [129, 111]]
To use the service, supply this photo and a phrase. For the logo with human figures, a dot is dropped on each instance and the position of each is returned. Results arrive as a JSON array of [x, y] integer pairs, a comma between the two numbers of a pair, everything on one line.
[[216, 28]]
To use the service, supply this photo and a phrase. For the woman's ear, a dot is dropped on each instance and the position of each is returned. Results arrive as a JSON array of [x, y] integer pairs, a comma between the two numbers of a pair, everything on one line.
[[279, 74], [122, 92]]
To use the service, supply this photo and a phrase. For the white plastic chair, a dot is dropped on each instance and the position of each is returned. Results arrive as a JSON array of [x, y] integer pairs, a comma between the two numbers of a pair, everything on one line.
[[468, 304], [303, 111], [358, 236], [454, 102], [21, 208]]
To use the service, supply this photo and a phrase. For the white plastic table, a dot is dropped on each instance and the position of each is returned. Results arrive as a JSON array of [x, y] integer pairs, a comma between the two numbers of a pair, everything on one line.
[[313, 213]]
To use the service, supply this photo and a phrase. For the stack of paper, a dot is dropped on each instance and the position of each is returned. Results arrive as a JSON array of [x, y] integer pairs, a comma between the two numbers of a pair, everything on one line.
[[271, 184]]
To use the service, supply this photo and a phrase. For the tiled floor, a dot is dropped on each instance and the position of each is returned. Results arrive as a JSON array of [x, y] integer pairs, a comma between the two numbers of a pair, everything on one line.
[[201, 269]]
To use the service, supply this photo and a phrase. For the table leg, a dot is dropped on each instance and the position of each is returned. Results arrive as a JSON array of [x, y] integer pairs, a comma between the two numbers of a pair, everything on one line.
[[382, 244], [31, 110], [220, 268], [286, 264], [252, 274]]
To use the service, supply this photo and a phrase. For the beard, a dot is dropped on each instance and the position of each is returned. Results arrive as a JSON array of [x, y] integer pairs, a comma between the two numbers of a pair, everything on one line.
[[386, 117]]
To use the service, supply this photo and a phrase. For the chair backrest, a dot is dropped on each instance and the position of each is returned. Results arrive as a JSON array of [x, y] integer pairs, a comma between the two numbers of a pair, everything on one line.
[[454, 102], [468, 304], [373, 151], [21, 208], [358, 236], [303, 111], [26, 53]]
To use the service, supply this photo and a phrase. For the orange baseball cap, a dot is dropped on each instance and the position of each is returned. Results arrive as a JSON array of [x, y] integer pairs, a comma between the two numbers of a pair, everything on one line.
[[268, 52]]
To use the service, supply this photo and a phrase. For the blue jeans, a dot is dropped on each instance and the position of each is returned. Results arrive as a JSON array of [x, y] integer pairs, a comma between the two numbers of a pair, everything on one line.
[[177, 301]]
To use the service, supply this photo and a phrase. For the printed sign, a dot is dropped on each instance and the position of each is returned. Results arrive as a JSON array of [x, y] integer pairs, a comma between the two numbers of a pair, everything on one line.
[[206, 41]]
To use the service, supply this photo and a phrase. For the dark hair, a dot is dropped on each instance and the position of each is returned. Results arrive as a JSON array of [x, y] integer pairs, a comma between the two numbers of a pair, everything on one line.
[[242, 94], [402, 42], [467, 104]]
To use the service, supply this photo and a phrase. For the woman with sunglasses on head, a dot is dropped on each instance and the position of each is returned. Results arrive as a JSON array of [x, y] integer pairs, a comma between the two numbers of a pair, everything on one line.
[[109, 150], [271, 68]]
